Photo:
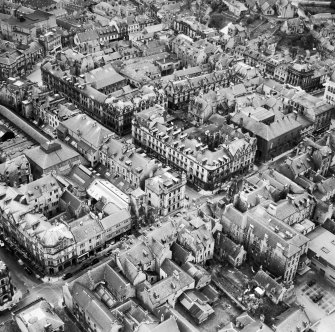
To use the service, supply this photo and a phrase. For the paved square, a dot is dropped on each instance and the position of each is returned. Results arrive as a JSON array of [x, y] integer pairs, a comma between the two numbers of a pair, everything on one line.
[[327, 303]]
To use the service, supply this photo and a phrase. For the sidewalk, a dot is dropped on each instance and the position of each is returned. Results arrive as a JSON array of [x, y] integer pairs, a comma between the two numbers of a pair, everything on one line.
[[16, 299]]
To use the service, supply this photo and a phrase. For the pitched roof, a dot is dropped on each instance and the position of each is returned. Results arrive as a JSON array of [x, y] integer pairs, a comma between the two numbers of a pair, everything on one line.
[[93, 308], [88, 129], [103, 77], [85, 228], [279, 127], [229, 247], [292, 320], [91, 35], [160, 291], [46, 159], [269, 284]]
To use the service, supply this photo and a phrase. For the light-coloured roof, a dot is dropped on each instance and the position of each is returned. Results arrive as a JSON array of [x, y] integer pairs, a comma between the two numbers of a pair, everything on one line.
[[103, 77], [89, 131], [45, 160], [37, 315], [322, 243]]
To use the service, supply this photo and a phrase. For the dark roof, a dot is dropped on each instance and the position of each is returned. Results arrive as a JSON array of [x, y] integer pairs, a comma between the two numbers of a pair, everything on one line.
[[329, 225], [23, 125], [228, 246], [69, 198], [269, 284], [35, 4], [179, 253]]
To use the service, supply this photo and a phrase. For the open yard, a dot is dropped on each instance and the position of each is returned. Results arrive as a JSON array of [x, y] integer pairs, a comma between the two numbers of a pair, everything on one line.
[[320, 313]]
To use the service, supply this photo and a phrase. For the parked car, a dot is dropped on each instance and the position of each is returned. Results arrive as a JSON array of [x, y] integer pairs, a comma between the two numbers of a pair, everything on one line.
[[2, 244], [95, 261], [311, 283], [28, 270], [316, 298], [85, 265], [67, 276]]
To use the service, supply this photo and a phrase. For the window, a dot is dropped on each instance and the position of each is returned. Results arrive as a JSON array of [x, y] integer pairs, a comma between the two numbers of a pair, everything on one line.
[[325, 250]]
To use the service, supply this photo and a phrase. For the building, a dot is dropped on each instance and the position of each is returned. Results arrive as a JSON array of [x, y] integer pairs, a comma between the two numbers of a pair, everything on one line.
[[103, 299], [275, 291], [173, 282], [115, 111], [266, 185], [293, 26], [16, 171], [196, 237], [274, 135], [292, 319], [87, 41], [88, 235], [7, 290], [203, 106], [236, 7], [286, 9], [38, 316], [165, 191], [196, 305], [195, 151], [85, 135], [193, 53], [105, 79], [17, 61], [60, 113], [227, 250], [123, 159], [25, 28], [47, 5], [268, 241], [321, 252], [329, 94], [49, 243], [52, 42], [294, 209], [51, 156], [201, 276], [190, 27], [317, 110], [181, 91], [43, 195]]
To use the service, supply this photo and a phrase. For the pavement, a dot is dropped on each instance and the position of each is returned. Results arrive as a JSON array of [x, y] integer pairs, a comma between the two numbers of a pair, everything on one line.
[[321, 314], [28, 287]]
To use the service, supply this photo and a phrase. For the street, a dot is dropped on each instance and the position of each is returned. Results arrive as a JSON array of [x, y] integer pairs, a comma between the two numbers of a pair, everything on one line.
[[33, 288]]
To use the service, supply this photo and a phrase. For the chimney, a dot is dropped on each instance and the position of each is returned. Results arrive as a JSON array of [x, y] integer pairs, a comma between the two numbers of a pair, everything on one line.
[[272, 209], [290, 198], [48, 327]]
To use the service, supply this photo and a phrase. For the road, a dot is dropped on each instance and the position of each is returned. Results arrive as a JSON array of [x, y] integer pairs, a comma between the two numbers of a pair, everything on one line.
[[52, 292]]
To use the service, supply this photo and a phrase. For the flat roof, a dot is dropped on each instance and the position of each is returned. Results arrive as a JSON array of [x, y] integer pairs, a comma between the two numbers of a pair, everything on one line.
[[322, 243], [103, 188]]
